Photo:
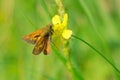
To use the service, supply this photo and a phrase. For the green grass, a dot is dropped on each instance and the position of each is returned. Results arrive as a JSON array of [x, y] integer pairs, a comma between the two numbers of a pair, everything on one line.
[[95, 58]]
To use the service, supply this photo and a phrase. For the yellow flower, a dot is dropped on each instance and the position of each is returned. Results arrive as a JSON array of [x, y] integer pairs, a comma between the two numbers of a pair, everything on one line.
[[66, 34], [60, 26]]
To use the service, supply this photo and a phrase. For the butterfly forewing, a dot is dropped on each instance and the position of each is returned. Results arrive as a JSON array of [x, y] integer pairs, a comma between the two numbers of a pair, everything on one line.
[[32, 38]]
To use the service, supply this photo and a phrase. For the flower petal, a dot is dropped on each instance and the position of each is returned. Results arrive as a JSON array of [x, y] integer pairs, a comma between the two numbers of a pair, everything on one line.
[[66, 34], [56, 20], [65, 20]]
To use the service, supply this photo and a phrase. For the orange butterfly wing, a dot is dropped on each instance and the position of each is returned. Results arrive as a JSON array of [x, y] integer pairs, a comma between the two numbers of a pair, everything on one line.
[[43, 44], [41, 39], [47, 47], [32, 38]]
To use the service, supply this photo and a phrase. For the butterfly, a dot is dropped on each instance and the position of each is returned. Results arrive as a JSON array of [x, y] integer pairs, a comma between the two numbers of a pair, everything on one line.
[[41, 39]]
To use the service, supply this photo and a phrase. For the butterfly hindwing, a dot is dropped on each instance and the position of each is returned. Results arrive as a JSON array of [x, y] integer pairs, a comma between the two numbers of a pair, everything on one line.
[[47, 49], [39, 46]]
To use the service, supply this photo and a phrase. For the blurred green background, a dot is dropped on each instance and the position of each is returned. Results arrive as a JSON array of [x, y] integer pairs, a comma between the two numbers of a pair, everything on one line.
[[95, 21]]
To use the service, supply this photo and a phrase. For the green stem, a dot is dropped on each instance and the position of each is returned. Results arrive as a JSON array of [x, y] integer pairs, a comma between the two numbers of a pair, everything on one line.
[[97, 52]]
